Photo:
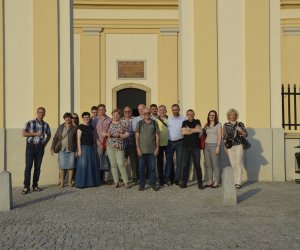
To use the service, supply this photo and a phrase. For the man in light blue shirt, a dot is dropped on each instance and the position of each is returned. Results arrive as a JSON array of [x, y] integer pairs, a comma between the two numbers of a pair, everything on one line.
[[174, 145]]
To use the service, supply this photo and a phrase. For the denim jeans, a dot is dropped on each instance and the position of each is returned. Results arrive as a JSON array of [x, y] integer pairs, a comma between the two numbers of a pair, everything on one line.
[[150, 160], [187, 154], [34, 154], [174, 146]]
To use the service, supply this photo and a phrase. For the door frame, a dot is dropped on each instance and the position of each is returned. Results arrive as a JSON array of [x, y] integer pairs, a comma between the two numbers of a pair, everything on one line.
[[131, 85]]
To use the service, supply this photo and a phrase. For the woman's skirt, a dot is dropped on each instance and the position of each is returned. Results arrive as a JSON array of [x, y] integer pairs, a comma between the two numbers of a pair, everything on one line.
[[66, 160], [87, 169]]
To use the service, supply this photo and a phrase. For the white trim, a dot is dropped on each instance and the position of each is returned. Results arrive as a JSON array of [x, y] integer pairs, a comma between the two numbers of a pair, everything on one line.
[[169, 31], [291, 31], [92, 31], [186, 55]]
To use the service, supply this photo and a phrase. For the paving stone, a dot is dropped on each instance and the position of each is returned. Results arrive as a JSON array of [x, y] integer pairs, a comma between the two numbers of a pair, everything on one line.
[[266, 217]]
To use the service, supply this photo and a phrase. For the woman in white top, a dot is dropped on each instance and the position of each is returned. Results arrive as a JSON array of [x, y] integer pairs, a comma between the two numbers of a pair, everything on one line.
[[213, 130]]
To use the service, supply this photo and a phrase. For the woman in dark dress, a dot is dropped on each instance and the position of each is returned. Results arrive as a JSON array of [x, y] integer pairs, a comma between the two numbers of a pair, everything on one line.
[[87, 170]]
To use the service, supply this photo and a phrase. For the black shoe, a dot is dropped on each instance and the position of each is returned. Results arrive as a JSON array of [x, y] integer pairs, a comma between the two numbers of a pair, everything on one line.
[[200, 186], [154, 188], [176, 183], [37, 189], [183, 186], [25, 191], [141, 188]]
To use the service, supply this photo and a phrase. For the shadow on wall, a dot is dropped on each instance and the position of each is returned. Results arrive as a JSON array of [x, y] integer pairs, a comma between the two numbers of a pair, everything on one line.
[[255, 158]]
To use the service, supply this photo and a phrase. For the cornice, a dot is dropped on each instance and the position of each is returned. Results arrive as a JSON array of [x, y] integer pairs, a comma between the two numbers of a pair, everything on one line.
[[290, 4], [170, 4]]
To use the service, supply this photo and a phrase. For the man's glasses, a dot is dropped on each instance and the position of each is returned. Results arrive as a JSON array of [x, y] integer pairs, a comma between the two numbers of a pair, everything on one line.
[[74, 117], [127, 111]]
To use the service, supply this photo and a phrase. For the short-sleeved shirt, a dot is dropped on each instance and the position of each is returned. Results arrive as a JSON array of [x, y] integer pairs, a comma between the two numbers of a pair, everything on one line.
[[212, 133], [116, 129], [100, 124], [36, 126], [87, 136], [163, 131], [147, 136], [191, 140]]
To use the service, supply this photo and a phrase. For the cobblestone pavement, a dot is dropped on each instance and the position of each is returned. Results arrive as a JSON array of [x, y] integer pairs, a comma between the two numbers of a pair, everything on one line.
[[266, 217]]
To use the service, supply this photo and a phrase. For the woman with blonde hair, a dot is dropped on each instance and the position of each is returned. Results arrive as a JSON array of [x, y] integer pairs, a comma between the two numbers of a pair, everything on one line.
[[213, 130], [233, 134], [116, 133]]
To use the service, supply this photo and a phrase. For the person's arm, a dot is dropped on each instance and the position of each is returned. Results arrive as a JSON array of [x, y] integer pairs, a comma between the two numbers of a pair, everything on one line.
[[242, 130], [156, 151], [137, 141], [26, 133], [219, 139], [48, 133], [54, 141], [125, 135], [79, 133]]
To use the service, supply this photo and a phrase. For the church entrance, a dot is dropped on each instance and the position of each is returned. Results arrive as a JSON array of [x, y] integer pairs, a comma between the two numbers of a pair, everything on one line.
[[131, 97]]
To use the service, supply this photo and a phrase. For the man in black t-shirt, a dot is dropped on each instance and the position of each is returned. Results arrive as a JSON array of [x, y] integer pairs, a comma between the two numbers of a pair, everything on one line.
[[190, 130]]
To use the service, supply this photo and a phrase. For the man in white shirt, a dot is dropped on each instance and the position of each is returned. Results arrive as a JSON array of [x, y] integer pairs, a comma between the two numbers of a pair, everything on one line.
[[174, 145]]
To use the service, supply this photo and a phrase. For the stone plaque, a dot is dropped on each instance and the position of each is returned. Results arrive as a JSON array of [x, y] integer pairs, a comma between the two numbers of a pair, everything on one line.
[[131, 69]]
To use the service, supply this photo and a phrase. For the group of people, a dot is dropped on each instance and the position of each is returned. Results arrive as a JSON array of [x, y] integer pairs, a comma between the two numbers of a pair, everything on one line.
[[100, 146]]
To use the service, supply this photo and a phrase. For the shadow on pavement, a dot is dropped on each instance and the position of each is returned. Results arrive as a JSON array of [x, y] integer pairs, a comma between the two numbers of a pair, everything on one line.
[[247, 195], [42, 199]]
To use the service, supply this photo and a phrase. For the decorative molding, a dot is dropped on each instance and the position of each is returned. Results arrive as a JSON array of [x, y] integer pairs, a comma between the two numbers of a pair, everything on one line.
[[291, 31], [131, 85], [170, 31], [92, 31]]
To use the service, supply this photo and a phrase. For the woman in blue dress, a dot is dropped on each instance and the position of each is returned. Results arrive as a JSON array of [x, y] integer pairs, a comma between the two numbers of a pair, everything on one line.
[[87, 170]]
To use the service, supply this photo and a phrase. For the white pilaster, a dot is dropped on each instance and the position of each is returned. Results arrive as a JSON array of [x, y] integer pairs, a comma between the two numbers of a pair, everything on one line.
[[65, 57], [186, 55], [77, 73], [275, 64], [18, 62], [231, 57]]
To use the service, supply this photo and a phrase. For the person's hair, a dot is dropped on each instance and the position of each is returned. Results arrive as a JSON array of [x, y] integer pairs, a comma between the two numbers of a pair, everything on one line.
[[153, 106], [127, 107], [85, 114], [101, 106], [41, 108], [232, 111], [175, 105], [116, 111], [94, 108], [162, 106], [216, 118], [67, 115], [190, 110]]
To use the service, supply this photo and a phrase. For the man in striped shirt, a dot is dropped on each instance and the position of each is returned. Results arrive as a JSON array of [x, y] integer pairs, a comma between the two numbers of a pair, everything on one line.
[[38, 134]]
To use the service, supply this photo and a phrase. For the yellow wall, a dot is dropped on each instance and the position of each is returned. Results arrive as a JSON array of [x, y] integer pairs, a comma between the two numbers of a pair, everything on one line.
[[45, 58], [1, 67], [206, 65], [257, 63], [89, 71], [167, 70]]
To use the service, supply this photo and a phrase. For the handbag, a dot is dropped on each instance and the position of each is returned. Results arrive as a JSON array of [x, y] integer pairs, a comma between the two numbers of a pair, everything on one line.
[[245, 143], [58, 145], [202, 140]]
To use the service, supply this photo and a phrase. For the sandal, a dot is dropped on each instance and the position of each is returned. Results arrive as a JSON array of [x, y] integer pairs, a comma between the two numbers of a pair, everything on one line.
[[237, 186]]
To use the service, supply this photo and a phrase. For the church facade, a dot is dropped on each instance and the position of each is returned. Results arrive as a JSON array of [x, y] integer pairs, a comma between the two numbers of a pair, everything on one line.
[[69, 55]]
